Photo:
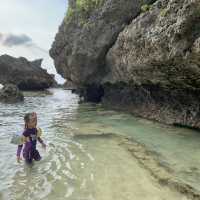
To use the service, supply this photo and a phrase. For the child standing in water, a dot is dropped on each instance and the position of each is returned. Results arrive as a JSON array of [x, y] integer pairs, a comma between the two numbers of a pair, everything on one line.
[[30, 136]]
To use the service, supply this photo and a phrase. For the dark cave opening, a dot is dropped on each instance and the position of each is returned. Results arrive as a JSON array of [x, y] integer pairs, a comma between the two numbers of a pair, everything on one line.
[[93, 93]]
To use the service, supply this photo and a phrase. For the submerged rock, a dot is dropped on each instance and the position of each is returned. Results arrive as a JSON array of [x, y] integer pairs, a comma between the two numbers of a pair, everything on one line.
[[11, 94], [25, 74], [139, 56]]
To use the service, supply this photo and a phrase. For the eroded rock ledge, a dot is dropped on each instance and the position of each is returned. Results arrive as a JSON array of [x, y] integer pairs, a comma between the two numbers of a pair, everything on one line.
[[140, 56]]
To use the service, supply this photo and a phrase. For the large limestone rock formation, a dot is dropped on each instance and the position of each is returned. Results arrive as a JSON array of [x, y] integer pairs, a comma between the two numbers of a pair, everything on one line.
[[158, 58], [86, 35], [141, 56]]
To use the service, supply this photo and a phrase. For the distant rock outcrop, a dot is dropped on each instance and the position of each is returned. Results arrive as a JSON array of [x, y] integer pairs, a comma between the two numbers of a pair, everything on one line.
[[10, 94], [25, 74]]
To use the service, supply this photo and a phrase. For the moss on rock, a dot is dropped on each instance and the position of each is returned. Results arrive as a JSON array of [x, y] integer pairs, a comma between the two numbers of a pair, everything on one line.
[[83, 9], [145, 7]]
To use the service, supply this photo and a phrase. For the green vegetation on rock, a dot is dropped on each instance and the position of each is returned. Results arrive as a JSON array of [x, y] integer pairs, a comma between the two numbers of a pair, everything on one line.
[[83, 9], [145, 7], [88, 5], [70, 13], [163, 12]]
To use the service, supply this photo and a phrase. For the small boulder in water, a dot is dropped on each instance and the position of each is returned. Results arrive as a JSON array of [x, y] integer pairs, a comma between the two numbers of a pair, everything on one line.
[[11, 94]]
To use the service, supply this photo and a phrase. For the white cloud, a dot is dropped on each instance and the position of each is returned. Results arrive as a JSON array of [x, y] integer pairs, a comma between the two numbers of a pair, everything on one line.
[[10, 40], [38, 20]]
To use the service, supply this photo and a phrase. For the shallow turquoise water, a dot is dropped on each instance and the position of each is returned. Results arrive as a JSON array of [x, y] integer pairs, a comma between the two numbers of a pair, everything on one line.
[[178, 148], [75, 168]]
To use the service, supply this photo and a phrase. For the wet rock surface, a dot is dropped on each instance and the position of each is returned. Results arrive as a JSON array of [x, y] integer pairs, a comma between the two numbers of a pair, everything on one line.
[[10, 94], [25, 74], [169, 106]]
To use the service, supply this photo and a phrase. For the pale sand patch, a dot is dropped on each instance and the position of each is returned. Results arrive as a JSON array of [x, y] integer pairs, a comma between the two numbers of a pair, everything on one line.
[[93, 129], [119, 176]]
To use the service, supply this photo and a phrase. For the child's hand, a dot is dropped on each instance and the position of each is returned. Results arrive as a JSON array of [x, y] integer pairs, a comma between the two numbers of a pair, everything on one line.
[[19, 159], [44, 146]]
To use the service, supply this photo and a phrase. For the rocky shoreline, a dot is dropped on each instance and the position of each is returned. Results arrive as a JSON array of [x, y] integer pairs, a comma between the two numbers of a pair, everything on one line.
[[175, 107], [141, 57]]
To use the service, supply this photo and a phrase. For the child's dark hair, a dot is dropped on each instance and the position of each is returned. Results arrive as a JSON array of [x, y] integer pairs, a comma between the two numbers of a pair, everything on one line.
[[27, 119]]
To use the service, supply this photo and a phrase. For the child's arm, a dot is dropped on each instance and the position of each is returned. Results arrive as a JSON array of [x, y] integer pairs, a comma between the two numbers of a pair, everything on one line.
[[19, 149], [20, 146], [41, 142], [39, 133]]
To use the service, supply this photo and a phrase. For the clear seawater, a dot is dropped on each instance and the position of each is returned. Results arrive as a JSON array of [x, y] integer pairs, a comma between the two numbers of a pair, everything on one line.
[[90, 168]]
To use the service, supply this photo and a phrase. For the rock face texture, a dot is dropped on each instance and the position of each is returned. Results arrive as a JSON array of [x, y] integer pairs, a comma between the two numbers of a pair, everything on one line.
[[69, 85], [23, 73], [140, 56], [158, 56], [10, 94], [85, 37]]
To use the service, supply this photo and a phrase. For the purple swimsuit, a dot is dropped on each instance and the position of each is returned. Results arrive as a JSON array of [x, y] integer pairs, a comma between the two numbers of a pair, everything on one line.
[[30, 152]]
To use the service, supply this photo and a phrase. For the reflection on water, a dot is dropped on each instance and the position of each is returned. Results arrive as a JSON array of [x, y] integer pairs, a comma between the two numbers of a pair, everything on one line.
[[88, 168]]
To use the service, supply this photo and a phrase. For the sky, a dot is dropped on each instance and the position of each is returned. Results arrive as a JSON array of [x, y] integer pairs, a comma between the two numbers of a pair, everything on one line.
[[28, 28]]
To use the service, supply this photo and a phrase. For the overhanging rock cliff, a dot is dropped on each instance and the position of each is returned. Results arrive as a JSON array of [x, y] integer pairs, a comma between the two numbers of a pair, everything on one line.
[[87, 33], [141, 56]]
